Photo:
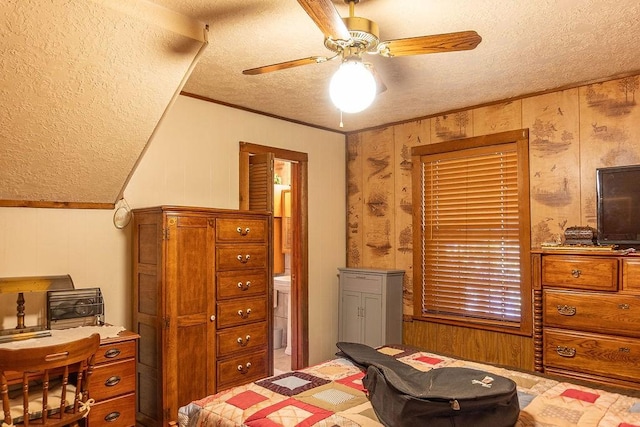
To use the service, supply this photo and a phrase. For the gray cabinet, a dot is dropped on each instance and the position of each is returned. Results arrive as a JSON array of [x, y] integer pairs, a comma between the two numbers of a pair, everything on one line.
[[370, 306]]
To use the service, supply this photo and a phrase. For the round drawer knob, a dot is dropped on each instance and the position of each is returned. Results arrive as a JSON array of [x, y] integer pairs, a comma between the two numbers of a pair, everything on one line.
[[244, 286], [244, 369], [245, 341], [243, 314], [244, 259], [243, 232]]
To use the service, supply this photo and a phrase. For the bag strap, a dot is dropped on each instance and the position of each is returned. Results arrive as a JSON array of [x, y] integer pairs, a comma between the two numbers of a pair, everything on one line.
[[402, 377]]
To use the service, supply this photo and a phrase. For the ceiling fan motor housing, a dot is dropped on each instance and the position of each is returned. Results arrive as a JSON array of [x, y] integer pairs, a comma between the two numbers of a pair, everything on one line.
[[364, 35]]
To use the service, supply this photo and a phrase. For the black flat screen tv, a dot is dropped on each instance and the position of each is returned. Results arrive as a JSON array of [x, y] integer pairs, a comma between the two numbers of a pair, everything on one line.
[[618, 206]]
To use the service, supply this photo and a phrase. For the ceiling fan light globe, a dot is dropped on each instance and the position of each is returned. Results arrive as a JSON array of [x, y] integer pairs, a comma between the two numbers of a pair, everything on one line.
[[352, 87]]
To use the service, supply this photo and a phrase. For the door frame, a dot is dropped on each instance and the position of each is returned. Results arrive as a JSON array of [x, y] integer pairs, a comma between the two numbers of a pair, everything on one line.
[[300, 249]]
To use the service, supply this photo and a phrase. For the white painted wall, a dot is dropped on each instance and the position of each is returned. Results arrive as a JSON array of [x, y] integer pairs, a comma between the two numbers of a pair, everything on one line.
[[192, 160]]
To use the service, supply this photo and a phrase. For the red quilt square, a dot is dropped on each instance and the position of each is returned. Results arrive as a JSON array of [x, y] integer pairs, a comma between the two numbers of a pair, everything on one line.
[[627, 425], [429, 360], [353, 381], [246, 399], [580, 395], [261, 418]]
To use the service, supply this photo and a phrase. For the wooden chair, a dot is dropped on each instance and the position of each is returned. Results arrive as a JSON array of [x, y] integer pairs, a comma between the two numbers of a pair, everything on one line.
[[47, 386]]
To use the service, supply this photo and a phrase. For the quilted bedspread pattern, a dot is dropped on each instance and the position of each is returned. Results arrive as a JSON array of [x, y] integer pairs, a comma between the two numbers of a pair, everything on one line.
[[331, 394]]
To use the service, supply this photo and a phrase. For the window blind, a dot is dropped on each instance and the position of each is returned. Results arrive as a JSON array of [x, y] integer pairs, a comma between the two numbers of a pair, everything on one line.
[[471, 235]]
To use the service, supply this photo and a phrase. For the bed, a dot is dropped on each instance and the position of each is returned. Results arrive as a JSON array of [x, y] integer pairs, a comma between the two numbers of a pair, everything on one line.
[[331, 394]]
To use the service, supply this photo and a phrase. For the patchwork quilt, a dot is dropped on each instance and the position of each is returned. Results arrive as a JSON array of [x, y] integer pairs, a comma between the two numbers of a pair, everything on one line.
[[331, 394]]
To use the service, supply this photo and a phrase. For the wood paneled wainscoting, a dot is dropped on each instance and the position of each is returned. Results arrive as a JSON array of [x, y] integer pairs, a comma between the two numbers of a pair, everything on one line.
[[474, 344]]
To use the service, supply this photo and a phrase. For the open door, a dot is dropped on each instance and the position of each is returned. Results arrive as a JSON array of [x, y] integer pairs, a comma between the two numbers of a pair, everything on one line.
[[256, 193]]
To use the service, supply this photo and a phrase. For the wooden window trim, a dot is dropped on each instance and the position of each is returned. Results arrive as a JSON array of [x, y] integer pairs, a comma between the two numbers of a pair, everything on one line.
[[520, 138]]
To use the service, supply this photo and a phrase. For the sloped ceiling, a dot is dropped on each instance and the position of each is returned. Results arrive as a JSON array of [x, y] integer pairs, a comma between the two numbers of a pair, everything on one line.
[[85, 83], [83, 86]]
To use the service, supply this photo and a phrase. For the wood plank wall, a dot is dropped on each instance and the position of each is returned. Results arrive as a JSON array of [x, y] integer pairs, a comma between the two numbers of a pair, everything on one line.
[[571, 133]]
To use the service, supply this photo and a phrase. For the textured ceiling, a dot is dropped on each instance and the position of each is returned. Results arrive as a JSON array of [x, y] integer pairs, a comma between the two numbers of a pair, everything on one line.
[[527, 47], [85, 83], [83, 86]]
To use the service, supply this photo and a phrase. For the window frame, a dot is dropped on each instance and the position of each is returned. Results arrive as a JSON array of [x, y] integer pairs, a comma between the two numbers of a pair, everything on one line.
[[520, 139]]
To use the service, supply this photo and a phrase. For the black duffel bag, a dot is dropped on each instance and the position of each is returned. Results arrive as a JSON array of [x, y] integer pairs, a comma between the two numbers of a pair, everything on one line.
[[442, 397]]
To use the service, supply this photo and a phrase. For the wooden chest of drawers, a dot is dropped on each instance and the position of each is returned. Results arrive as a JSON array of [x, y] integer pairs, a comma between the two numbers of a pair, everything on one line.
[[590, 316], [113, 382], [242, 309], [202, 304]]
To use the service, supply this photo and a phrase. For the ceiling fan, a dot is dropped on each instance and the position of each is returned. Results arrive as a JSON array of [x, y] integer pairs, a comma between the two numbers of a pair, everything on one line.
[[349, 38]]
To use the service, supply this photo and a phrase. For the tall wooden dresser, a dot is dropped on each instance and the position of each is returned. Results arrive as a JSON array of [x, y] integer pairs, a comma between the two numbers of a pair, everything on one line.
[[587, 315], [202, 304]]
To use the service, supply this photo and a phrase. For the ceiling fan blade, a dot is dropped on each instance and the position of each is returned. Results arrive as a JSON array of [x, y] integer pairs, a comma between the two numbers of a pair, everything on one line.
[[285, 65], [464, 40], [326, 18]]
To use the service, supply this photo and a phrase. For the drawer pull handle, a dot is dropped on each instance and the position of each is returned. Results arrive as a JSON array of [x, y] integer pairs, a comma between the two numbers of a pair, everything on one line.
[[243, 315], [624, 306], [245, 341], [243, 232], [566, 351], [566, 310], [624, 350], [111, 353], [244, 287], [112, 416], [242, 369], [576, 273], [245, 259], [111, 381]]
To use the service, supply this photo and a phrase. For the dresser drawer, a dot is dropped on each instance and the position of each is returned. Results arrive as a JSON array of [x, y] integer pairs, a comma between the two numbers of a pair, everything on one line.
[[241, 257], [242, 369], [241, 230], [241, 311], [111, 352], [371, 284], [235, 284], [242, 338], [631, 274], [592, 353], [591, 273], [117, 412], [113, 379], [590, 311]]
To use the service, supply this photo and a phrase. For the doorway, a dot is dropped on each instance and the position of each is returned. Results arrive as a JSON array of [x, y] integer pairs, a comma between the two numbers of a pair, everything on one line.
[[259, 166], [282, 257]]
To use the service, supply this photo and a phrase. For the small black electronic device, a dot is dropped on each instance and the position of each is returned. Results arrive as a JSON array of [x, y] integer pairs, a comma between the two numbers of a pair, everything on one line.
[[618, 206], [77, 307]]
